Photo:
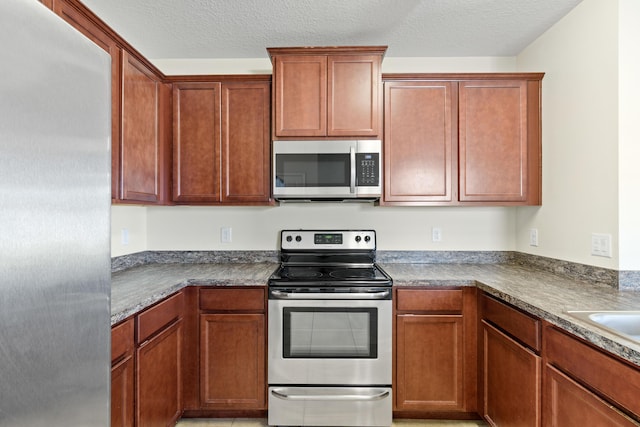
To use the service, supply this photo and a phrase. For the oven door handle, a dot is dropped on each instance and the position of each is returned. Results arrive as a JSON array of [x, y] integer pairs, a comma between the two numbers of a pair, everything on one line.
[[328, 295], [281, 393]]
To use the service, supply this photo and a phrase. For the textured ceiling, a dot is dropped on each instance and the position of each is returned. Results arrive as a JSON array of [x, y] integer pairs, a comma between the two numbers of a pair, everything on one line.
[[163, 29]]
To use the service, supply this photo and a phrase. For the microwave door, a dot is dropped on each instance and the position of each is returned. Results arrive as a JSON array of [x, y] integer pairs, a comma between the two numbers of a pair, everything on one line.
[[314, 169]]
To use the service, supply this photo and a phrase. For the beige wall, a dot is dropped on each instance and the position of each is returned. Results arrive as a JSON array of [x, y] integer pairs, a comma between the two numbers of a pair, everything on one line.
[[629, 134], [591, 140]]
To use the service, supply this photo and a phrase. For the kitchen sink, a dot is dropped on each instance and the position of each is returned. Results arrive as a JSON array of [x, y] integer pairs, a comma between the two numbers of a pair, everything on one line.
[[623, 323]]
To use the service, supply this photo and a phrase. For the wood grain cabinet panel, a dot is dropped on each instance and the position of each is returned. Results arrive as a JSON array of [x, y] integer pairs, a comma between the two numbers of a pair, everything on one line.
[[232, 361], [327, 92], [435, 353], [512, 381], [429, 364], [246, 146], [571, 405], [233, 349], [122, 375], [462, 139], [221, 145], [143, 145], [493, 141], [420, 143], [196, 142], [159, 378]]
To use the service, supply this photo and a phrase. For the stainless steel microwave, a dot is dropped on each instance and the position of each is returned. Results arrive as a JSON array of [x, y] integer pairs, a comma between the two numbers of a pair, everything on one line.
[[327, 170]]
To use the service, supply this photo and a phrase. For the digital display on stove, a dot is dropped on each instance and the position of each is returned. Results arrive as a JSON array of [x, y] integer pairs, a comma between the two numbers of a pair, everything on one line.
[[327, 238]]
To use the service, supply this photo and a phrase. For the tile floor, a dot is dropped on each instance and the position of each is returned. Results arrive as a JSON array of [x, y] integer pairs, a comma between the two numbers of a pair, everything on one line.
[[253, 422]]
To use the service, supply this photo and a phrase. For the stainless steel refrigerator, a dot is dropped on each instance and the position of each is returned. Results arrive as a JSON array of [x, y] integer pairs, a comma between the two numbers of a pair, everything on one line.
[[55, 142]]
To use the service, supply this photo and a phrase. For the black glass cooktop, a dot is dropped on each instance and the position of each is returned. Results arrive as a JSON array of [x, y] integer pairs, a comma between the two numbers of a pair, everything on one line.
[[337, 275]]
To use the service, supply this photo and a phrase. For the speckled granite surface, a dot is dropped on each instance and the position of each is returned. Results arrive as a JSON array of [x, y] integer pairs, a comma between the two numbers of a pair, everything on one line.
[[546, 295], [139, 287], [542, 293]]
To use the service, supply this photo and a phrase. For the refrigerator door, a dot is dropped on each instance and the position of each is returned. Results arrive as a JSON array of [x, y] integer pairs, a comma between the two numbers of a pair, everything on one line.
[[55, 143]]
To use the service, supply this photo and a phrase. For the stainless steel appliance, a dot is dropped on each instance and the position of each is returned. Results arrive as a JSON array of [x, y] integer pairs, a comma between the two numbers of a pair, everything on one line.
[[330, 331], [327, 170], [55, 197]]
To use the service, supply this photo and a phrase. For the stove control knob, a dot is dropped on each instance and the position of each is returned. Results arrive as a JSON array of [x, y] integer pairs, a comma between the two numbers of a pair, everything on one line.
[[298, 238], [367, 239], [289, 238], [358, 238]]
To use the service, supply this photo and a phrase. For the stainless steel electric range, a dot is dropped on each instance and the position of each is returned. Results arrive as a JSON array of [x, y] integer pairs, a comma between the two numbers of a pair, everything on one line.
[[330, 321]]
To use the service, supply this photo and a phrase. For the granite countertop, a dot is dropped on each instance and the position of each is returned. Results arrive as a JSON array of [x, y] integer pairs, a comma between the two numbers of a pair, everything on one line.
[[545, 295]]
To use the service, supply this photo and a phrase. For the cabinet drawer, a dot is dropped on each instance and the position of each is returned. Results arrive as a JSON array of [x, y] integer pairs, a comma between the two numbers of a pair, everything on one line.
[[430, 300], [121, 340], [516, 323], [232, 299], [155, 318], [599, 371]]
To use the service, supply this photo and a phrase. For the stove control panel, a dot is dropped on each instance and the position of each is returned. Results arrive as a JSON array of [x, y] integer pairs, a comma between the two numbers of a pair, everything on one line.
[[328, 240]]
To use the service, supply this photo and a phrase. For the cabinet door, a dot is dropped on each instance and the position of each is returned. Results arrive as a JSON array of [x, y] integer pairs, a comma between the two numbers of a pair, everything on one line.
[[122, 393], [300, 104], [87, 27], [512, 381], [122, 374], [429, 363], [353, 95], [159, 378], [196, 142], [141, 146], [568, 404], [420, 143], [493, 141], [246, 143], [232, 361]]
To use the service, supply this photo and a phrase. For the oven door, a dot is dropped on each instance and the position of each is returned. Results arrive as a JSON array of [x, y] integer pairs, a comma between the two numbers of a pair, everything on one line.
[[330, 341]]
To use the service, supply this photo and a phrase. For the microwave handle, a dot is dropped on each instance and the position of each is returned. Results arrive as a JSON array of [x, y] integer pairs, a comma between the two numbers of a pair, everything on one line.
[[352, 155]]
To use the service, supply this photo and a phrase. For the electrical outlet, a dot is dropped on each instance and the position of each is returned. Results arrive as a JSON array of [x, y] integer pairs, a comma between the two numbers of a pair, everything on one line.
[[225, 234], [533, 237], [436, 234], [601, 245], [124, 236]]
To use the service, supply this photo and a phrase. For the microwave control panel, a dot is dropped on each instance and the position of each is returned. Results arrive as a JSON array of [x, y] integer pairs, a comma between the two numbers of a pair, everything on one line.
[[368, 169]]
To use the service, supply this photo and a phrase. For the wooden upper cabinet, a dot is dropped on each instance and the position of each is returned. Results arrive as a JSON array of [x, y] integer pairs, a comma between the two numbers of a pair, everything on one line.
[[196, 142], [327, 92], [246, 144], [221, 144], [420, 141], [462, 139], [496, 144], [143, 146]]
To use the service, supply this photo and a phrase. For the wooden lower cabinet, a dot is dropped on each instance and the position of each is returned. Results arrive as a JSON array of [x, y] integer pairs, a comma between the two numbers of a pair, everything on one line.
[[435, 357], [429, 362], [232, 355], [586, 386], [159, 363], [232, 349], [512, 381], [122, 374], [568, 404]]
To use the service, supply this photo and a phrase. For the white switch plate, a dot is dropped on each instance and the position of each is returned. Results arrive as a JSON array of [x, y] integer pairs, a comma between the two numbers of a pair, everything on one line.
[[225, 235], [533, 237], [436, 234], [601, 245]]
